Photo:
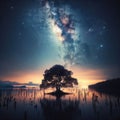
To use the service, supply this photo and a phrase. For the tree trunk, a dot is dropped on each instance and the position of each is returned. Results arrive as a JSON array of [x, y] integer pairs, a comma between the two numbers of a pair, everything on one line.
[[57, 88]]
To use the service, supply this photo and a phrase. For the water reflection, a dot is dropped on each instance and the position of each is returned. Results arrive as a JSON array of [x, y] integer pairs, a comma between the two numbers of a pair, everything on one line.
[[60, 110], [34, 104]]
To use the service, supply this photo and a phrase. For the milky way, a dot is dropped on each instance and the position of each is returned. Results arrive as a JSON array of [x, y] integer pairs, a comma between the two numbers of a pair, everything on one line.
[[40, 33], [62, 22], [67, 25]]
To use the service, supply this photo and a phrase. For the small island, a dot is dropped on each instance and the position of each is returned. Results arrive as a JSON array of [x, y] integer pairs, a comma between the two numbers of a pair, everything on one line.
[[57, 76]]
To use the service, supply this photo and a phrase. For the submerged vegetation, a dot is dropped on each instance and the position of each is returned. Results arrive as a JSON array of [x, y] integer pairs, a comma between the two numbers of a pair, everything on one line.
[[33, 104]]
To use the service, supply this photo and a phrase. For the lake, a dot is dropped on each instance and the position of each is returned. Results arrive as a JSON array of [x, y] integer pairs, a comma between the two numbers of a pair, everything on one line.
[[35, 104]]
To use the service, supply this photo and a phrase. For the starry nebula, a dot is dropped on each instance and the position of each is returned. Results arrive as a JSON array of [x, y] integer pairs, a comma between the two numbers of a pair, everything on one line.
[[65, 23], [81, 35]]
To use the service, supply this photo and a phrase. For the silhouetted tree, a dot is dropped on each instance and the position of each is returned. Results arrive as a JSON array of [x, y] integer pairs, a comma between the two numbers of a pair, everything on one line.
[[57, 76]]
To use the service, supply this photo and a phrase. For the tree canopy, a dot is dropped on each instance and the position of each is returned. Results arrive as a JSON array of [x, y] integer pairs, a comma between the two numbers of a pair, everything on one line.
[[57, 76]]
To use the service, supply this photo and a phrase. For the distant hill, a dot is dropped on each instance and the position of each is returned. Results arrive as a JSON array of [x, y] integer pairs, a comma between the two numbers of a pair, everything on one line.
[[109, 86], [31, 84], [9, 84]]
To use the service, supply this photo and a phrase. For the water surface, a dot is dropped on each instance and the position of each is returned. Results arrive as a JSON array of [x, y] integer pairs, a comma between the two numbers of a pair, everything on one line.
[[34, 104]]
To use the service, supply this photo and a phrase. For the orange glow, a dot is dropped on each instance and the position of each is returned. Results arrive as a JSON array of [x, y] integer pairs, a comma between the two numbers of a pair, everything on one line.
[[85, 76], [24, 77]]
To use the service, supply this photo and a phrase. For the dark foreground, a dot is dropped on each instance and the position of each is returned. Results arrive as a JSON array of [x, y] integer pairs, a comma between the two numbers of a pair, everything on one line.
[[34, 104]]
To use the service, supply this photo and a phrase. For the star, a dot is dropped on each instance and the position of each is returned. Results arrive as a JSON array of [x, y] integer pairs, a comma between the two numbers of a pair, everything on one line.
[[90, 30], [11, 7], [101, 46], [19, 33], [23, 23]]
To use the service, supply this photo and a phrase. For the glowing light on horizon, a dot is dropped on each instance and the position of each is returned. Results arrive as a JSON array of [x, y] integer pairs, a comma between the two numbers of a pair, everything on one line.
[[85, 76]]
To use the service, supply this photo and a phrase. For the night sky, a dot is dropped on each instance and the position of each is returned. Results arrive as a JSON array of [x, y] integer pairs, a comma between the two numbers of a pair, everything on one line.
[[29, 43]]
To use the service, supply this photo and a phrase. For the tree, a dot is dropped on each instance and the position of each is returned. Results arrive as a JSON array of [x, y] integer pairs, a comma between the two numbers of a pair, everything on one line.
[[57, 76]]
